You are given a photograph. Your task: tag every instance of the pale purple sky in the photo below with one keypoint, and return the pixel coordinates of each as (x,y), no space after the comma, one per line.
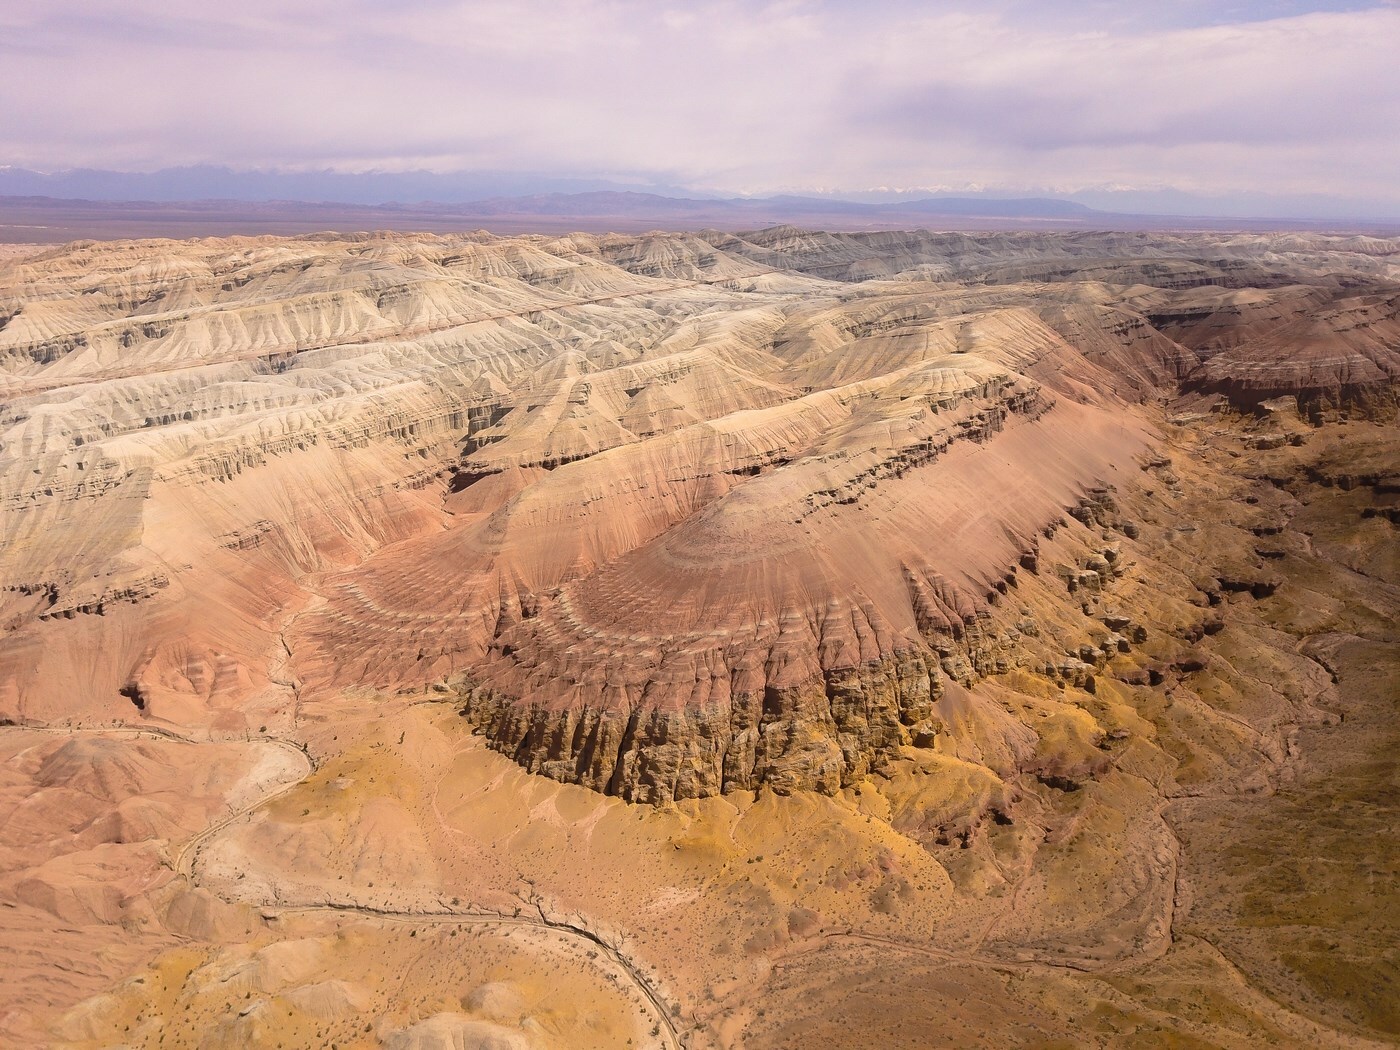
(1277,97)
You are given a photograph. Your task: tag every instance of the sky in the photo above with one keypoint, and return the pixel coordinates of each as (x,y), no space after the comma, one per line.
(1281,99)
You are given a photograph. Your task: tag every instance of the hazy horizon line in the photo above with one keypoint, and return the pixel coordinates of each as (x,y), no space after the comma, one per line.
(194,183)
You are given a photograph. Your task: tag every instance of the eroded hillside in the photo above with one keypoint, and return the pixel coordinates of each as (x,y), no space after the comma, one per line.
(1004,623)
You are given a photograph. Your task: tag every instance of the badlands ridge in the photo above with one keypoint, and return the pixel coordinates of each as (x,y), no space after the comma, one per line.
(998,524)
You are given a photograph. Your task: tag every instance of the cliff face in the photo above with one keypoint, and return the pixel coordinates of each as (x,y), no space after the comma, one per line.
(815,736)
(673,514)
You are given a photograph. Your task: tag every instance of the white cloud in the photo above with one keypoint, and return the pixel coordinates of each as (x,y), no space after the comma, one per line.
(744,95)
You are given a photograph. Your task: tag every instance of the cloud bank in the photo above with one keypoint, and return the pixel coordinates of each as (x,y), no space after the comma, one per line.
(1279,98)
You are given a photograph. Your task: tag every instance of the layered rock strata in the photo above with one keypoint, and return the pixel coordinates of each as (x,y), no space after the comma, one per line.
(674,514)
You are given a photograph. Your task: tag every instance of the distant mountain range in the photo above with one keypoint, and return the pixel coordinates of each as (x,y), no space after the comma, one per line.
(26,218)
(29,218)
(646,205)
(538,192)
(476,194)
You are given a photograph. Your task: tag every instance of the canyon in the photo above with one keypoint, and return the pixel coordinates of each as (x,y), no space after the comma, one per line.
(700,639)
